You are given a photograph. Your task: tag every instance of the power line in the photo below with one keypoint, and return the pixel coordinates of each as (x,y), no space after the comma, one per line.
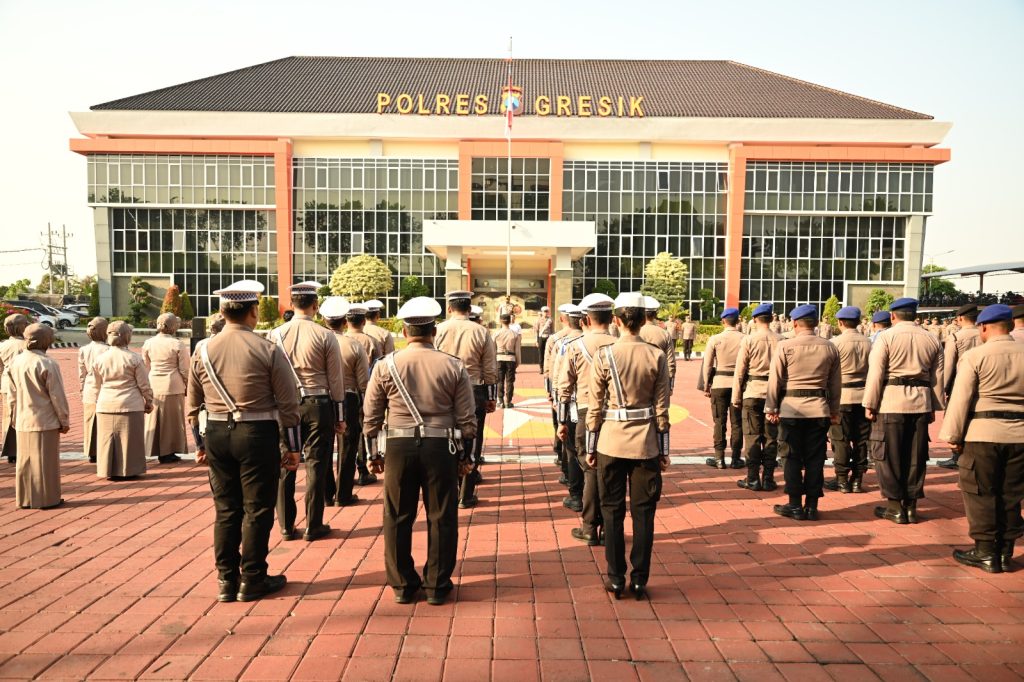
(38,248)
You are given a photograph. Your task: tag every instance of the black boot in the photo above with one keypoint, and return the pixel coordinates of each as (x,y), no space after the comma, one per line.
(792,510)
(841,483)
(811,509)
(983,556)
(910,509)
(1007,555)
(857,483)
(751,484)
(893,511)
(768,483)
(737,462)
(950,463)
(716,462)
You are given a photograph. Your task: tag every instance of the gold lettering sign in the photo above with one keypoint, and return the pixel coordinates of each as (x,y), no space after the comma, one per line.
(464,104)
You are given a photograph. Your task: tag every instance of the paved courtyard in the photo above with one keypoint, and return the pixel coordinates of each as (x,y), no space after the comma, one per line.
(119,583)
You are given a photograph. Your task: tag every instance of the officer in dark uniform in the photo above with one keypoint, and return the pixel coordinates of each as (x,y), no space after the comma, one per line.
(958,343)
(850,436)
(430,408)
(244,387)
(749,390)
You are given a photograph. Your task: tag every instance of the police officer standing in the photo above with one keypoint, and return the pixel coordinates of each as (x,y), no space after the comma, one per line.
(429,401)
(355,321)
(470,342)
(850,436)
(319,381)
(656,336)
(984,421)
(749,390)
(688,333)
(716,381)
(880,321)
(627,417)
(373,311)
(245,384)
(958,343)
(355,368)
(15,326)
(549,354)
(902,393)
(572,474)
(508,348)
(804,390)
(545,326)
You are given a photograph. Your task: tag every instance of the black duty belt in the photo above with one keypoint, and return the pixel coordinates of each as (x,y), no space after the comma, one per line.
(995,414)
(806,393)
(854,384)
(757,377)
(724,374)
(315,399)
(907,381)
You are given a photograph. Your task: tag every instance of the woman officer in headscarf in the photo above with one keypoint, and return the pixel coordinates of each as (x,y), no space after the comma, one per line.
(87,354)
(167,360)
(124,399)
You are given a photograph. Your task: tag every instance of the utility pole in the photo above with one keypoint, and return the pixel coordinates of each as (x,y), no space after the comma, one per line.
(49,255)
(63,248)
(64,238)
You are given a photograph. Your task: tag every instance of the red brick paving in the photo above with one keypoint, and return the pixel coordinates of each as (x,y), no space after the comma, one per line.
(119,584)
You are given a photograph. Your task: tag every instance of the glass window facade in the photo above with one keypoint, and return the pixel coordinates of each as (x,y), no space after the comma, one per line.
(180,179)
(841,187)
(375,206)
(642,208)
(531,188)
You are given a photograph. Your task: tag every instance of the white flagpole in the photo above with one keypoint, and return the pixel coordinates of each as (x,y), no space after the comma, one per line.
(508,134)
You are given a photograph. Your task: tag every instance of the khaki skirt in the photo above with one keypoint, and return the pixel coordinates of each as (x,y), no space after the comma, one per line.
(89,429)
(8,439)
(37,475)
(165,426)
(120,444)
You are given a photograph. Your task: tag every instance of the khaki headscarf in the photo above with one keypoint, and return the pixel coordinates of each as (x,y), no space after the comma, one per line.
(15,325)
(119,334)
(216,324)
(168,323)
(97,329)
(38,337)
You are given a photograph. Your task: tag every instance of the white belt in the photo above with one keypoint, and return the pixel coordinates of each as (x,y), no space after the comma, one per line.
(625,415)
(266,416)
(423,432)
(506,357)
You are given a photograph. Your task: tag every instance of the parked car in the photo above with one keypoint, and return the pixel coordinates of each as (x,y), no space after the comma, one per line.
(64,318)
(50,321)
(45,313)
(80,309)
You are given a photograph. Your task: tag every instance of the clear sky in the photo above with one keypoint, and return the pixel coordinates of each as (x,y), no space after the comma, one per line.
(958,61)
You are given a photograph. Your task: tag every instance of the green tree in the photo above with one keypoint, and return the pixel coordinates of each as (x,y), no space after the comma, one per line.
(828,315)
(748,312)
(878,299)
(361,278)
(140,300)
(708,304)
(268,310)
(172,301)
(94,300)
(17,287)
(937,286)
(411,287)
(665,278)
(606,287)
(676,310)
(187,310)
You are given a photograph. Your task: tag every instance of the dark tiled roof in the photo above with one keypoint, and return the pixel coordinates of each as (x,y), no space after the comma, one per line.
(669,88)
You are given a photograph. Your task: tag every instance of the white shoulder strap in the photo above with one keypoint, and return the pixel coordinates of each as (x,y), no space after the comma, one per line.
(614,370)
(279,340)
(583,349)
(402,390)
(215,380)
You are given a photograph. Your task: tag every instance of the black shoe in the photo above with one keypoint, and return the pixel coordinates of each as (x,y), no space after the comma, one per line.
(328,501)
(983,556)
(289,534)
(948,463)
(573,504)
(557,462)
(367,479)
(614,588)
(857,484)
(469,503)
(562,480)
(92,460)
(1007,556)
(753,486)
(789,511)
(737,463)
(768,483)
(438,598)
(312,534)
(407,596)
(228,591)
(715,462)
(591,539)
(168,459)
(638,591)
(892,513)
(810,513)
(349,502)
(910,510)
(253,591)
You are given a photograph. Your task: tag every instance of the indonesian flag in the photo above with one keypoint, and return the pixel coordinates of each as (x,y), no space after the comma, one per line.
(511,103)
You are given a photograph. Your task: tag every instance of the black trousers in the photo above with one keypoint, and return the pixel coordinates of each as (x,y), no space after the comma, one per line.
(506,379)
(573,472)
(899,447)
(542,342)
(760,439)
(992,482)
(850,440)
(244,462)
(802,445)
(687,348)
(642,479)
(722,411)
(10,444)
(413,466)
(317,424)
(468,483)
(591,514)
(348,451)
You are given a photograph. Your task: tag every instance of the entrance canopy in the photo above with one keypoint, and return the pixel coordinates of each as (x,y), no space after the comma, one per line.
(530,240)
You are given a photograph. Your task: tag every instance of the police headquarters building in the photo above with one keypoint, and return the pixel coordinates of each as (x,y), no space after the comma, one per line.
(767,187)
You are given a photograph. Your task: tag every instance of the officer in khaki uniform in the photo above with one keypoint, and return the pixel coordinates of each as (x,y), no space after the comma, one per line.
(804,389)
(545,327)
(572,474)
(749,390)
(508,349)
(15,326)
(1018,323)
(880,321)
(627,421)
(661,338)
(373,347)
(319,382)
(850,436)
(549,355)
(716,381)
(167,360)
(958,343)
(430,408)
(902,393)
(373,312)
(672,328)
(356,370)
(984,420)
(87,354)
(470,342)
(688,333)
(245,387)
(573,399)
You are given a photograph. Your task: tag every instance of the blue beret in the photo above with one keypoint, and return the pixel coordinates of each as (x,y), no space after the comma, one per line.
(802,311)
(763,309)
(995,313)
(850,312)
(881,316)
(730,312)
(904,304)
